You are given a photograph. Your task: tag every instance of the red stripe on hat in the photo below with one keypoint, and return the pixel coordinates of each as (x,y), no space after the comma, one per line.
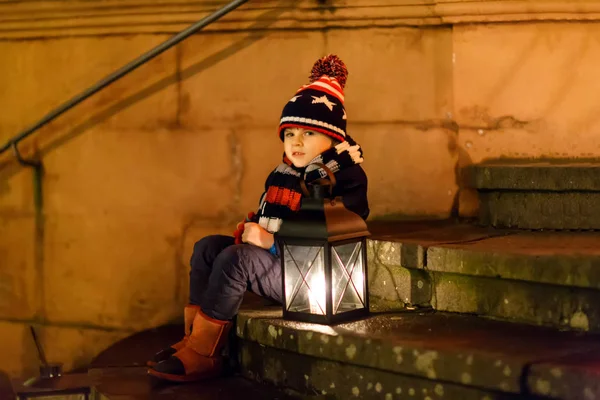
(322,89)
(332,81)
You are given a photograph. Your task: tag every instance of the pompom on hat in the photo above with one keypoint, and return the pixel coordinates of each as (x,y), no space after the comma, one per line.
(319,106)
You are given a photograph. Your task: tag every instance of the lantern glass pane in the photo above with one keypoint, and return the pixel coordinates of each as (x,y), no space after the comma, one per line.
(304,279)
(347,274)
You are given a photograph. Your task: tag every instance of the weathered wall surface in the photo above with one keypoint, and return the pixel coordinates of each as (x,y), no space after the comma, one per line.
(526,91)
(180,148)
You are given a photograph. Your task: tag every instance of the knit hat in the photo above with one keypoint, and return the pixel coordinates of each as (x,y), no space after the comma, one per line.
(319,106)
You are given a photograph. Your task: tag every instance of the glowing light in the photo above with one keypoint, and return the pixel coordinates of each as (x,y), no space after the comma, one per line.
(316,295)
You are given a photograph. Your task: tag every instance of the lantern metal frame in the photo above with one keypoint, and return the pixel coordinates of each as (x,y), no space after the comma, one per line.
(309,228)
(328,317)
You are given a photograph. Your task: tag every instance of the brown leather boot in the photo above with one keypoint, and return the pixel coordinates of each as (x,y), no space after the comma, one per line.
(200,358)
(189,312)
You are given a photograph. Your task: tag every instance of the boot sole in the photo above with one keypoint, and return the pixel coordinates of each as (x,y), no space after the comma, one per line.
(183,378)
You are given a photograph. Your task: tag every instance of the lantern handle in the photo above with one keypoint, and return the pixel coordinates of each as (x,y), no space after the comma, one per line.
(330,175)
(304,188)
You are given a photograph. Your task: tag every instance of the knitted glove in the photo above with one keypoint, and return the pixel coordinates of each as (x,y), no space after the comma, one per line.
(237,234)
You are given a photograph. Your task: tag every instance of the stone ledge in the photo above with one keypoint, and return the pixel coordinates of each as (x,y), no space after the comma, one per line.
(540,278)
(534,176)
(328,380)
(458,349)
(558,258)
(559,307)
(574,210)
(558,194)
(502,260)
(77,18)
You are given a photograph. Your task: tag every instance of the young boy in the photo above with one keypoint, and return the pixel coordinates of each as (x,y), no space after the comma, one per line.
(313,130)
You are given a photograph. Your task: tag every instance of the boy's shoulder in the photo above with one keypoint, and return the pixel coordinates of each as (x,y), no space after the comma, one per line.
(352,173)
(350,179)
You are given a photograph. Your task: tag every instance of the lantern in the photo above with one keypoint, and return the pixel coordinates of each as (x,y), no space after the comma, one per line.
(323,258)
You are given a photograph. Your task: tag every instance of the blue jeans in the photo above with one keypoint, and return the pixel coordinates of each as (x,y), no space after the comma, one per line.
(222,271)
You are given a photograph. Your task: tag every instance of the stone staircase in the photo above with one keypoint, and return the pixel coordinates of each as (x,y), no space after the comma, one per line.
(418,355)
(470,313)
(506,309)
(460,311)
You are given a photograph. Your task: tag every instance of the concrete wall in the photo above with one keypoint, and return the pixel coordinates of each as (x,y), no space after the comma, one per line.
(180,148)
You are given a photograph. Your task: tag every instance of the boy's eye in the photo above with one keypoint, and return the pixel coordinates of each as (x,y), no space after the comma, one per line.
(309,133)
(289,134)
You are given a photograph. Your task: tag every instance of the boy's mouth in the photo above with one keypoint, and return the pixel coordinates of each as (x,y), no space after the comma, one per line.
(297,153)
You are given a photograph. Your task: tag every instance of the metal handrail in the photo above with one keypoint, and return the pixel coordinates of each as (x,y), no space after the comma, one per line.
(119,74)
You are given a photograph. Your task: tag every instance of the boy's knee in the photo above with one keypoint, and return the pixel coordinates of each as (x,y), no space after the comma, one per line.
(232,254)
(205,246)
(230,260)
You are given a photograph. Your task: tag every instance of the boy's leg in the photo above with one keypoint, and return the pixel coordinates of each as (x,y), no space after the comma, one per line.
(205,252)
(235,270)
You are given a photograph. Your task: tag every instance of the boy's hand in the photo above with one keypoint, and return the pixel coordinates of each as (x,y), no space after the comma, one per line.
(239,229)
(257,235)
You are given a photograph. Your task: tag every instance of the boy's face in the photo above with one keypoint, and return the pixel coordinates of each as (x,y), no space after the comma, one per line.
(302,145)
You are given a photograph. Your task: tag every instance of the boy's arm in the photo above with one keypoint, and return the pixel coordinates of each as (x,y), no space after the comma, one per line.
(352,186)
(252,217)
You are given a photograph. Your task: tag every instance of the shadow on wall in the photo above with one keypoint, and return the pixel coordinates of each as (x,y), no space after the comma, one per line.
(258,32)
(5,386)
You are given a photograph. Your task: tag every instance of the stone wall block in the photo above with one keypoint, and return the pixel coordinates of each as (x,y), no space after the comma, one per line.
(18,350)
(391,78)
(399,160)
(258,152)
(114,270)
(243,80)
(413,255)
(16,188)
(194,232)
(537,92)
(146,98)
(165,171)
(391,285)
(20,276)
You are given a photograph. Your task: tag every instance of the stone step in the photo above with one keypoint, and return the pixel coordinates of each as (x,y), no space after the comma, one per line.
(542,278)
(133,383)
(119,373)
(419,355)
(537,195)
